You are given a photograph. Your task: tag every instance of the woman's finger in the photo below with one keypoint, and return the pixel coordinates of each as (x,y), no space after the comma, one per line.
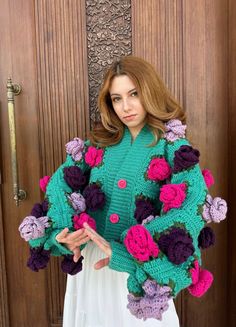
(101,263)
(60,237)
(77,254)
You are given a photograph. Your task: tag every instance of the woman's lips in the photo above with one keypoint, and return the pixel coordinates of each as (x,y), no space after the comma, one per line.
(130,117)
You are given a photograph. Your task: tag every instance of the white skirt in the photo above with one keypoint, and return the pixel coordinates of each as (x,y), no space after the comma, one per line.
(98,298)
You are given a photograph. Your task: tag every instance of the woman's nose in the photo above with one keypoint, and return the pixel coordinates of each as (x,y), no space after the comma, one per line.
(126,106)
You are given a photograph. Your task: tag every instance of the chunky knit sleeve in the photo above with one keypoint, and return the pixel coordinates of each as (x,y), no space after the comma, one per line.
(166,249)
(62,207)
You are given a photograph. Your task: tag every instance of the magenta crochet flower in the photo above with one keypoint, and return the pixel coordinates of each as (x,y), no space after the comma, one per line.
(152,304)
(74,177)
(83,218)
(158,170)
(172,195)
(70,267)
(208,177)
(38,259)
(43,182)
(93,156)
(185,157)
(144,208)
(175,130)
(214,210)
(77,201)
(75,148)
(140,244)
(201,280)
(177,245)
(206,238)
(94,197)
(32,227)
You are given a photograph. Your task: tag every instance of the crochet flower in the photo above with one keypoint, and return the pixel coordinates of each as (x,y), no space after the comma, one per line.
(148,219)
(32,227)
(158,169)
(174,130)
(38,258)
(77,201)
(144,208)
(39,209)
(70,267)
(172,195)
(75,148)
(140,244)
(94,197)
(201,280)
(43,182)
(177,245)
(93,156)
(83,218)
(185,157)
(214,210)
(152,304)
(206,238)
(208,177)
(74,177)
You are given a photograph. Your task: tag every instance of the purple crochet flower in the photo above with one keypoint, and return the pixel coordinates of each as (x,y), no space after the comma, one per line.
(38,258)
(144,208)
(214,210)
(152,304)
(94,197)
(74,177)
(177,245)
(206,238)
(75,148)
(174,130)
(185,157)
(70,267)
(32,227)
(78,202)
(40,210)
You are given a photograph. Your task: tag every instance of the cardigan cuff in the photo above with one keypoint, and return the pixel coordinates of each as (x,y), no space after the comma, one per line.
(56,248)
(120,259)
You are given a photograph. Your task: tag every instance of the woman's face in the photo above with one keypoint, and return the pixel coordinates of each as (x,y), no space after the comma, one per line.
(127,104)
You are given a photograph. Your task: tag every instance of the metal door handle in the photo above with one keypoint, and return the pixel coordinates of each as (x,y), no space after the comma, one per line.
(12,90)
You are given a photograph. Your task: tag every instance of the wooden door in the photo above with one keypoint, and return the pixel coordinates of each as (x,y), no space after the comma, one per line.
(57,51)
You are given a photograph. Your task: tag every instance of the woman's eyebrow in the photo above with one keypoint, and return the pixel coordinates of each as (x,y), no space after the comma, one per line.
(119,94)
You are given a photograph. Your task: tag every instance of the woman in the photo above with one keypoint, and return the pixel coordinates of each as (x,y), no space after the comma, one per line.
(138,201)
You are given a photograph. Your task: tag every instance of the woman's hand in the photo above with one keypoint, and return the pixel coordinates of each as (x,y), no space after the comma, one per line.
(101,243)
(73,240)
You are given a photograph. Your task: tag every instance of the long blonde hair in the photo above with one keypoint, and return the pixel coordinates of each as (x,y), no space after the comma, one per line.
(156,99)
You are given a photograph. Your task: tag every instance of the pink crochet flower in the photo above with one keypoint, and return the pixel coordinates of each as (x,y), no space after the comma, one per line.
(140,244)
(158,169)
(175,130)
(201,280)
(208,177)
(43,182)
(93,156)
(84,218)
(172,195)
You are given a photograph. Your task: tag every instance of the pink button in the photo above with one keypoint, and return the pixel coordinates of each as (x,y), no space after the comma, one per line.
(114,218)
(122,183)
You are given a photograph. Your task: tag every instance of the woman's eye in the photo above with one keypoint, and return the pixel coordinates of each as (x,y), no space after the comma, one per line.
(115,99)
(134,94)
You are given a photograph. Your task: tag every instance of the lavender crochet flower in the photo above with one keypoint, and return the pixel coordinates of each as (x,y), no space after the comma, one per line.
(206,238)
(74,177)
(94,197)
(174,130)
(32,227)
(75,148)
(177,245)
(214,210)
(185,157)
(70,267)
(152,304)
(78,202)
(38,258)
(144,208)
(39,209)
